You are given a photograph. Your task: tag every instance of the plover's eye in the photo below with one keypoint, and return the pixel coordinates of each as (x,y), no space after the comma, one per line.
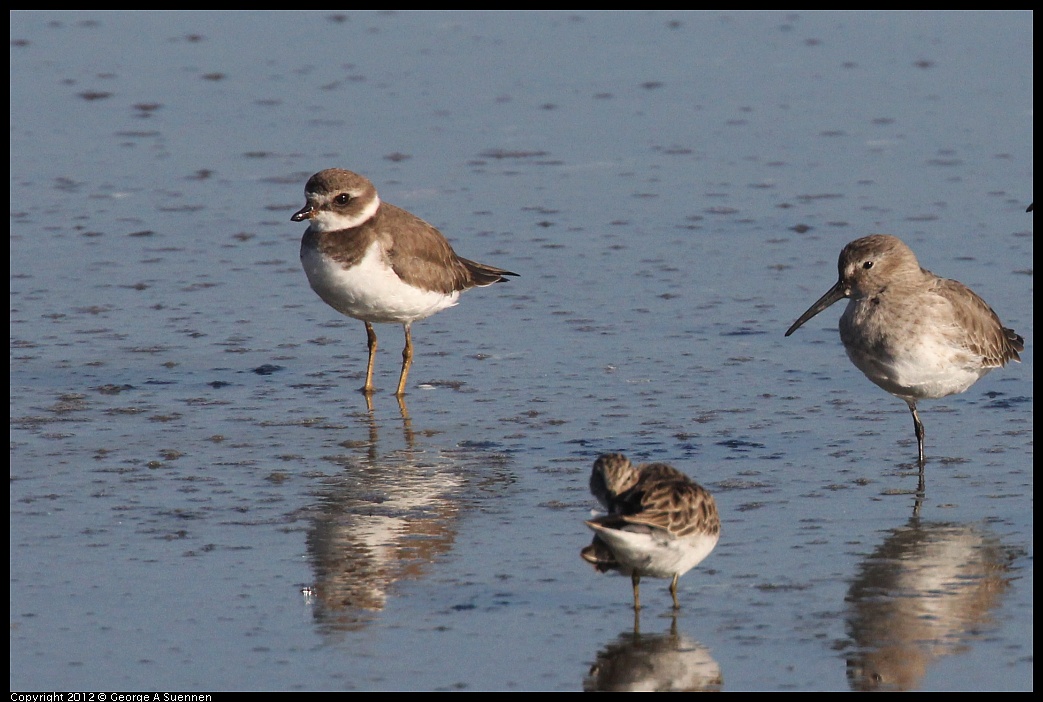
(342,199)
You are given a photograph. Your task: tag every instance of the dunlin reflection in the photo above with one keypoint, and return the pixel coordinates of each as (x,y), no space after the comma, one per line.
(660,523)
(912,333)
(929,591)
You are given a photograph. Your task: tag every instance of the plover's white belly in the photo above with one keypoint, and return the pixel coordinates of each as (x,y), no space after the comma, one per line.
(370,290)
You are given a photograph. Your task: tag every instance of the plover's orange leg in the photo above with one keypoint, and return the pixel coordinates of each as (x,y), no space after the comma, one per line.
(407,360)
(371,342)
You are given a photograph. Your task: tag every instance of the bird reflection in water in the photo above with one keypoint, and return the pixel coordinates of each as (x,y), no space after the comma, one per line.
(668,662)
(382,517)
(930,590)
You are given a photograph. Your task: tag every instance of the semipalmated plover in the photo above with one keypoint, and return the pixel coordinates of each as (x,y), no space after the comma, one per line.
(912,333)
(375,262)
(660,523)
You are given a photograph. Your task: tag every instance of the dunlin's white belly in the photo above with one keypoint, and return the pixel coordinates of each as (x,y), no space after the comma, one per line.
(915,362)
(370,290)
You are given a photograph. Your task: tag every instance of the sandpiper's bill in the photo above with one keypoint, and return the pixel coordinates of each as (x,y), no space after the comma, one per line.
(660,523)
(376,263)
(912,333)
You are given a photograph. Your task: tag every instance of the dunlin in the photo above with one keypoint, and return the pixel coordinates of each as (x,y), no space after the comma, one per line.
(660,523)
(912,333)
(375,262)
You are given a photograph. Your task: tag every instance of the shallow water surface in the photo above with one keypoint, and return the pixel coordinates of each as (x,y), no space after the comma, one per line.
(200,500)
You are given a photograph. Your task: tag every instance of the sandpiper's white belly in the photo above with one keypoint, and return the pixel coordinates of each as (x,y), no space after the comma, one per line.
(655,553)
(370,290)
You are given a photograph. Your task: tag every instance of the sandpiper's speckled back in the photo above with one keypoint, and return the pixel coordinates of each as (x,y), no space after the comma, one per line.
(654,494)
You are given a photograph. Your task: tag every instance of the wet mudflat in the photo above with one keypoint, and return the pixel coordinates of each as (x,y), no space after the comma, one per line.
(200,499)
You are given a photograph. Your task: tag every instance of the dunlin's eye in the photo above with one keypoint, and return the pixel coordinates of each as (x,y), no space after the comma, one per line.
(342,199)
(867,265)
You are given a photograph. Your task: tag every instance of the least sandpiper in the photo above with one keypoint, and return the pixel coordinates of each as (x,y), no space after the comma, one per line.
(660,523)
(912,333)
(375,262)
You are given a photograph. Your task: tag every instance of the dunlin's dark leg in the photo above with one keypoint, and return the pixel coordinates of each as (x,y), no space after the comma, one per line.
(407,360)
(636,580)
(918,427)
(371,342)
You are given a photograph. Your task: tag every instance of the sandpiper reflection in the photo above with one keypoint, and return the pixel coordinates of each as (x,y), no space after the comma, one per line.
(668,662)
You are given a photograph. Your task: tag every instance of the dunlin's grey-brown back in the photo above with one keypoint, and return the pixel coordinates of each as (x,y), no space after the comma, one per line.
(916,335)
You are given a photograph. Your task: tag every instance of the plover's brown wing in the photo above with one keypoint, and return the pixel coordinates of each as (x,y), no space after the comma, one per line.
(417,252)
(978,327)
(424,258)
(483,275)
